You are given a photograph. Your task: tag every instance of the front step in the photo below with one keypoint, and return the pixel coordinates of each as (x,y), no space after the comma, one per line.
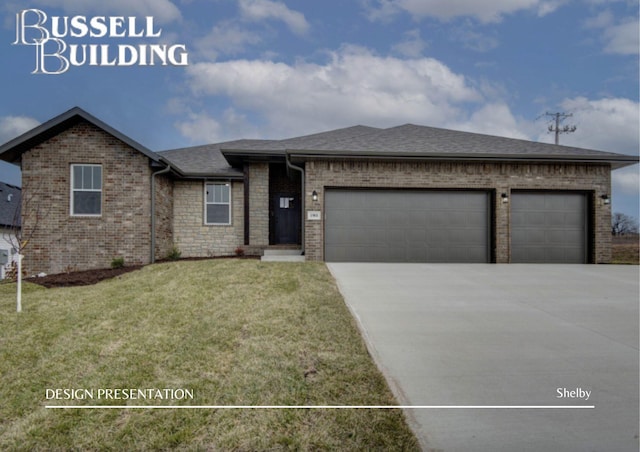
(280,255)
(282,252)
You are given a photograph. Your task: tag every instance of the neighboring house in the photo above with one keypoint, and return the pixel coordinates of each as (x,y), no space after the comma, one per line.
(9,225)
(402,194)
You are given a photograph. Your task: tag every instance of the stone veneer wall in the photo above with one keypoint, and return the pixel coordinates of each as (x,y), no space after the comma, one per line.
(501,177)
(259,204)
(191,235)
(62,242)
(164,216)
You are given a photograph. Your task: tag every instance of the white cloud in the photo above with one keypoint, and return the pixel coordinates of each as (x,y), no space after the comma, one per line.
(623,38)
(353,87)
(485,11)
(258,10)
(226,38)
(200,128)
(163,11)
(412,46)
(619,38)
(548,7)
(611,125)
(602,19)
(13,126)
(493,119)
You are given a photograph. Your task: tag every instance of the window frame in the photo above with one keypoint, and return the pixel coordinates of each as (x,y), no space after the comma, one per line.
(73,190)
(225,183)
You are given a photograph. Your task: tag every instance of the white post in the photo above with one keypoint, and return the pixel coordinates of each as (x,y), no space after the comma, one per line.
(19,280)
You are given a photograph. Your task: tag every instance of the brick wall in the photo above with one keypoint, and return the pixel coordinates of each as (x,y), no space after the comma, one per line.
(62,242)
(501,177)
(195,239)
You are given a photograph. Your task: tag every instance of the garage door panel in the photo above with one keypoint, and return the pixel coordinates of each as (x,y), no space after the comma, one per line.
(534,219)
(549,227)
(406,226)
(417,253)
(416,218)
(473,237)
(417,236)
(556,219)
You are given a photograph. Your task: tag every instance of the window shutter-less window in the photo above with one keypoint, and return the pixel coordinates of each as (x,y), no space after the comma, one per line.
(86,190)
(218,203)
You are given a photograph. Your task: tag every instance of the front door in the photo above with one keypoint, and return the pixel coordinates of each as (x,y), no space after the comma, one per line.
(286,219)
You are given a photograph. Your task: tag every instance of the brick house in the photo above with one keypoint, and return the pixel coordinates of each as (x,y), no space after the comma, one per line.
(402,194)
(10,201)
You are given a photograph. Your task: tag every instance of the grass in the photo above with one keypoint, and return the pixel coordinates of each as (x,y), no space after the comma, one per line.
(625,249)
(236,332)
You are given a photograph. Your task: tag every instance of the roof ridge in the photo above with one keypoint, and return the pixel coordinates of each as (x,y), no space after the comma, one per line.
(213,145)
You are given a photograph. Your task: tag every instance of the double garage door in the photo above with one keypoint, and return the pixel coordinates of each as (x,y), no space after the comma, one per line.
(450,226)
(407,226)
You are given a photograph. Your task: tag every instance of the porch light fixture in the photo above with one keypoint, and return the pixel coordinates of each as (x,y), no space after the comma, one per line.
(605,199)
(505,197)
(314,195)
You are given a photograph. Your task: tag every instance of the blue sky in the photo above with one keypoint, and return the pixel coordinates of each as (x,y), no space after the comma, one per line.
(274,69)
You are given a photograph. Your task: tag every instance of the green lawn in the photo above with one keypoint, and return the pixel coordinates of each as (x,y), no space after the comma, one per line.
(235,332)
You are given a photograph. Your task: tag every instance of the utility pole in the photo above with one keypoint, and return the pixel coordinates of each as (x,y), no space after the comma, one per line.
(557,129)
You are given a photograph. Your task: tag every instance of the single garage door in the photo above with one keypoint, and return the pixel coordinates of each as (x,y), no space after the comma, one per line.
(406,226)
(549,227)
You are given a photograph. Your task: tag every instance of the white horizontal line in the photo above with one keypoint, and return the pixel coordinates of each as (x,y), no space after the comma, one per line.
(328,407)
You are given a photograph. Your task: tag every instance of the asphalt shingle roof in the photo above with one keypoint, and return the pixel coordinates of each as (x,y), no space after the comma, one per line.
(333,139)
(410,140)
(205,160)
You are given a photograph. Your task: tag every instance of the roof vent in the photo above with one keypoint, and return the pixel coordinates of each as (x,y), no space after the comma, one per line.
(9,196)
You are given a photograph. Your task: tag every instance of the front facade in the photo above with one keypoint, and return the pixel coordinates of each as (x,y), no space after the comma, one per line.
(405,194)
(457,212)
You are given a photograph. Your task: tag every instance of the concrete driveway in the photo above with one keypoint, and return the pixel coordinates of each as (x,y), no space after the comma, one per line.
(505,335)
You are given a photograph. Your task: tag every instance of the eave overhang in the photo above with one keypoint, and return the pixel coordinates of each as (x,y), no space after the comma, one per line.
(237,157)
(615,160)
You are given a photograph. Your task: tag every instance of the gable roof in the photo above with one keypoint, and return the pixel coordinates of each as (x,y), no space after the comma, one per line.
(10,197)
(12,150)
(410,141)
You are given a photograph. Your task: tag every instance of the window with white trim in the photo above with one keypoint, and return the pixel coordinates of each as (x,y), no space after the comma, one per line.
(217,200)
(86,190)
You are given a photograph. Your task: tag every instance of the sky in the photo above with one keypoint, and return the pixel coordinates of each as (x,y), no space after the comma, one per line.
(281,68)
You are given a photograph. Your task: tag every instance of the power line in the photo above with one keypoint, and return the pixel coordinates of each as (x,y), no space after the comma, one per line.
(560,129)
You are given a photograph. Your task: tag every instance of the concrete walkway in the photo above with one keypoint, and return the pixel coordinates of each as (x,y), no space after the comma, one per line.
(505,335)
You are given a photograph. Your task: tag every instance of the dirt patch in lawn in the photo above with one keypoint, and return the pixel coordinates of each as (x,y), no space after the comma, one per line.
(89,277)
(82,278)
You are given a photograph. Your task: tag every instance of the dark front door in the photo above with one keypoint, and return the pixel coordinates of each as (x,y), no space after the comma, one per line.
(286,219)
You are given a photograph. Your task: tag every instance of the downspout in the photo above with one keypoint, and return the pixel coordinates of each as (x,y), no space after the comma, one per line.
(153,211)
(302,198)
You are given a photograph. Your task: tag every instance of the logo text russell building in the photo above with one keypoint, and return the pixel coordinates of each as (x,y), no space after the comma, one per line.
(54,55)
